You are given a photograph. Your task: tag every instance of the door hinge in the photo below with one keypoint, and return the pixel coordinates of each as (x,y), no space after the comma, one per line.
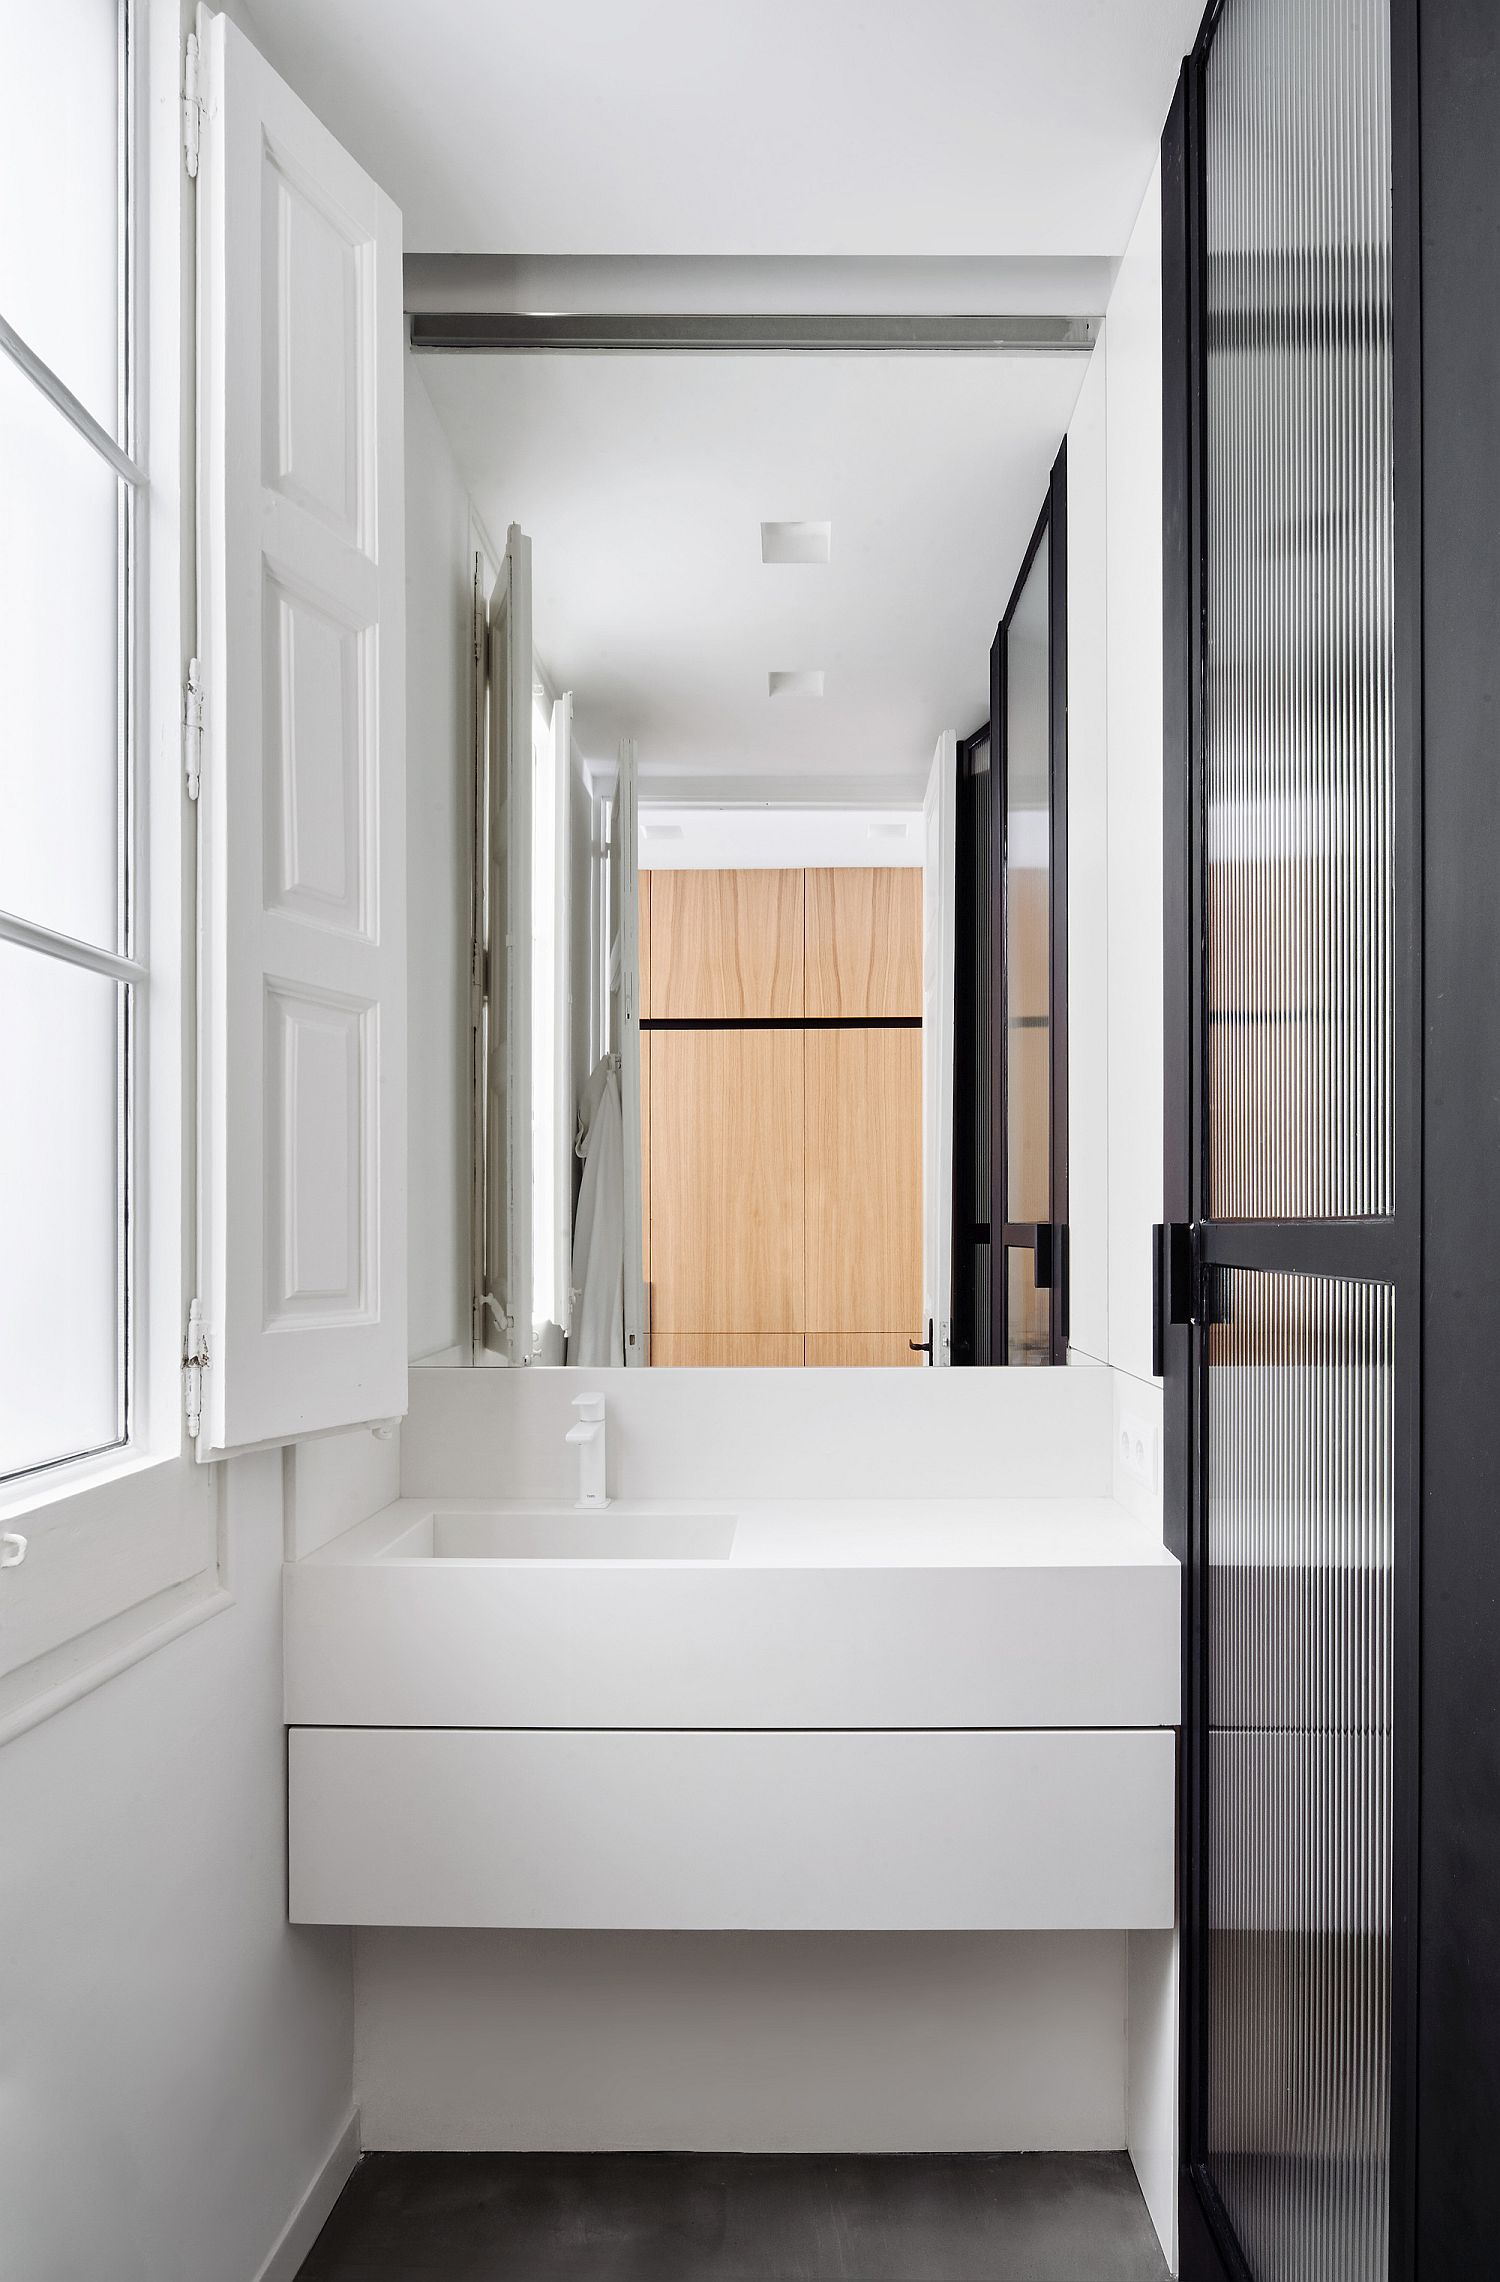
(194,1364)
(192,728)
(192,109)
(1185,1288)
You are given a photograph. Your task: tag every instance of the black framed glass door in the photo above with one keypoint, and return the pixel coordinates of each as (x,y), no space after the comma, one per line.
(973,1051)
(1288,1280)
(1010,1122)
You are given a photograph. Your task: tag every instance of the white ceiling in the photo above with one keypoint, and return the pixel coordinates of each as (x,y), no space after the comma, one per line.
(643,482)
(817,127)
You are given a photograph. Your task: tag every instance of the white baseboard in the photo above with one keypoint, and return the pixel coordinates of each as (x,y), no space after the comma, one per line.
(311,2214)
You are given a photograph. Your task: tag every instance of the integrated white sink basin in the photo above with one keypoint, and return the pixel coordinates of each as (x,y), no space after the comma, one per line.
(552,1533)
(856,1613)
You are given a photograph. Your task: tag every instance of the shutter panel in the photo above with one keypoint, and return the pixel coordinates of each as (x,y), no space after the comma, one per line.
(508,1281)
(627,837)
(302,1069)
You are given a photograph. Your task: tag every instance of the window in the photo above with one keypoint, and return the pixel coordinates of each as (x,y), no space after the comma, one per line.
(72,919)
(96,839)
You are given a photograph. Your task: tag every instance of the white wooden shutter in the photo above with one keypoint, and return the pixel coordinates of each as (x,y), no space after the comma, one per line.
(508,1276)
(628,1033)
(302,1044)
(939,880)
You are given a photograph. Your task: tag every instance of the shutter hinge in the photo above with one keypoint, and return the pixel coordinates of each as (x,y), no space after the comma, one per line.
(192,728)
(194,1364)
(192,109)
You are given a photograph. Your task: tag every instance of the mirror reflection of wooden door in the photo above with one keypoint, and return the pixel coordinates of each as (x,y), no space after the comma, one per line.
(783,1173)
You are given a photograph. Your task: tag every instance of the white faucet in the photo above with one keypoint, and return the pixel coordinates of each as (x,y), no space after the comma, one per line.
(588,1435)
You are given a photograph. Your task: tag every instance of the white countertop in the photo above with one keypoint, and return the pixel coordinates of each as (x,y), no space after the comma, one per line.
(853,1533)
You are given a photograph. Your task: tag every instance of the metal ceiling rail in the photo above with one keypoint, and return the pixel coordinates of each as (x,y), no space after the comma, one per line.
(497,332)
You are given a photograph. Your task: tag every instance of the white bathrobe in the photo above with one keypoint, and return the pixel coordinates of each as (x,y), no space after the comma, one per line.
(598,1333)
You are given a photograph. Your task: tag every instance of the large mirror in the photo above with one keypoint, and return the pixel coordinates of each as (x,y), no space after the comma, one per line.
(767,973)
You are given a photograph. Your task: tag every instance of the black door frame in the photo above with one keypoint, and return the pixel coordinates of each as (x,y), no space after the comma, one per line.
(1047,1241)
(973,1016)
(1191,1247)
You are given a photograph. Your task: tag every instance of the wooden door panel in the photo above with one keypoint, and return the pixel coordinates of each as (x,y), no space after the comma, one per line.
(860,1350)
(727,1181)
(864,941)
(864,1181)
(726,943)
(729,1350)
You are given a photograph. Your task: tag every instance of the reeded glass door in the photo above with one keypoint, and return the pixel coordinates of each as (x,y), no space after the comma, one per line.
(1297,1254)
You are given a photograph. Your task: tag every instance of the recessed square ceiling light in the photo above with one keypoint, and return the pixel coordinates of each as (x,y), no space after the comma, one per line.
(809,684)
(796,542)
(661,831)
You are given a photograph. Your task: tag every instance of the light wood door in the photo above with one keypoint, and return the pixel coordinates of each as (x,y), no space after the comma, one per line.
(864,1181)
(1028,1046)
(726,943)
(864,941)
(727,1181)
(859,1350)
(729,1350)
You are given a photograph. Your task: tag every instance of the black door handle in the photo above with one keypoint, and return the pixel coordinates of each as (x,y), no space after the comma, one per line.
(923,1346)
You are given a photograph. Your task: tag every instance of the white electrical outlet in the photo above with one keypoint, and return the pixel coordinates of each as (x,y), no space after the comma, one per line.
(1139,1443)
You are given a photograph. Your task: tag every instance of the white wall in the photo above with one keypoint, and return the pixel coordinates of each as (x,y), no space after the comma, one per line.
(1115,991)
(1133,333)
(177,2059)
(439,702)
(674,839)
(765,1434)
(787,2042)
(1115,817)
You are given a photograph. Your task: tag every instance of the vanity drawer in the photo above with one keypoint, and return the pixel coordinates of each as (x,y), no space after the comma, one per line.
(848,1831)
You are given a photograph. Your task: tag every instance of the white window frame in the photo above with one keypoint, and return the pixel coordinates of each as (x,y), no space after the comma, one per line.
(125,1548)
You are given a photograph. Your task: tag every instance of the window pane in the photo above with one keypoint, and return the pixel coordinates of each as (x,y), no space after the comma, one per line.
(61,1211)
(59,671)
(1028,902)
(60,190)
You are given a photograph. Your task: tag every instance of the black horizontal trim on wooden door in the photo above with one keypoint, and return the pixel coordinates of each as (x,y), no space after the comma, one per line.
(781,1021)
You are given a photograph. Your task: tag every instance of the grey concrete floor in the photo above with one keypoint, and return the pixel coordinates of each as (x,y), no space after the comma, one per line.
(738,2218)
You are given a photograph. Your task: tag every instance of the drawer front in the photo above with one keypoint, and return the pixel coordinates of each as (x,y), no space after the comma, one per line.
(900,1830)
(496,1645)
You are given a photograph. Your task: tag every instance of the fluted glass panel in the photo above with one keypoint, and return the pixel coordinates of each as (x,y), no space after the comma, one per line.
(1300,1421)
(1299,555)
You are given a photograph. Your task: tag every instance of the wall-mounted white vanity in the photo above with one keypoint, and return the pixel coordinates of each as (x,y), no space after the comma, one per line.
(859,1713)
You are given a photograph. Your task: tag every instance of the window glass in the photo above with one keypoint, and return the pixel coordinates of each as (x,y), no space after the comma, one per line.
(60,745)
(61,1223)
(60,171)
(67,983)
